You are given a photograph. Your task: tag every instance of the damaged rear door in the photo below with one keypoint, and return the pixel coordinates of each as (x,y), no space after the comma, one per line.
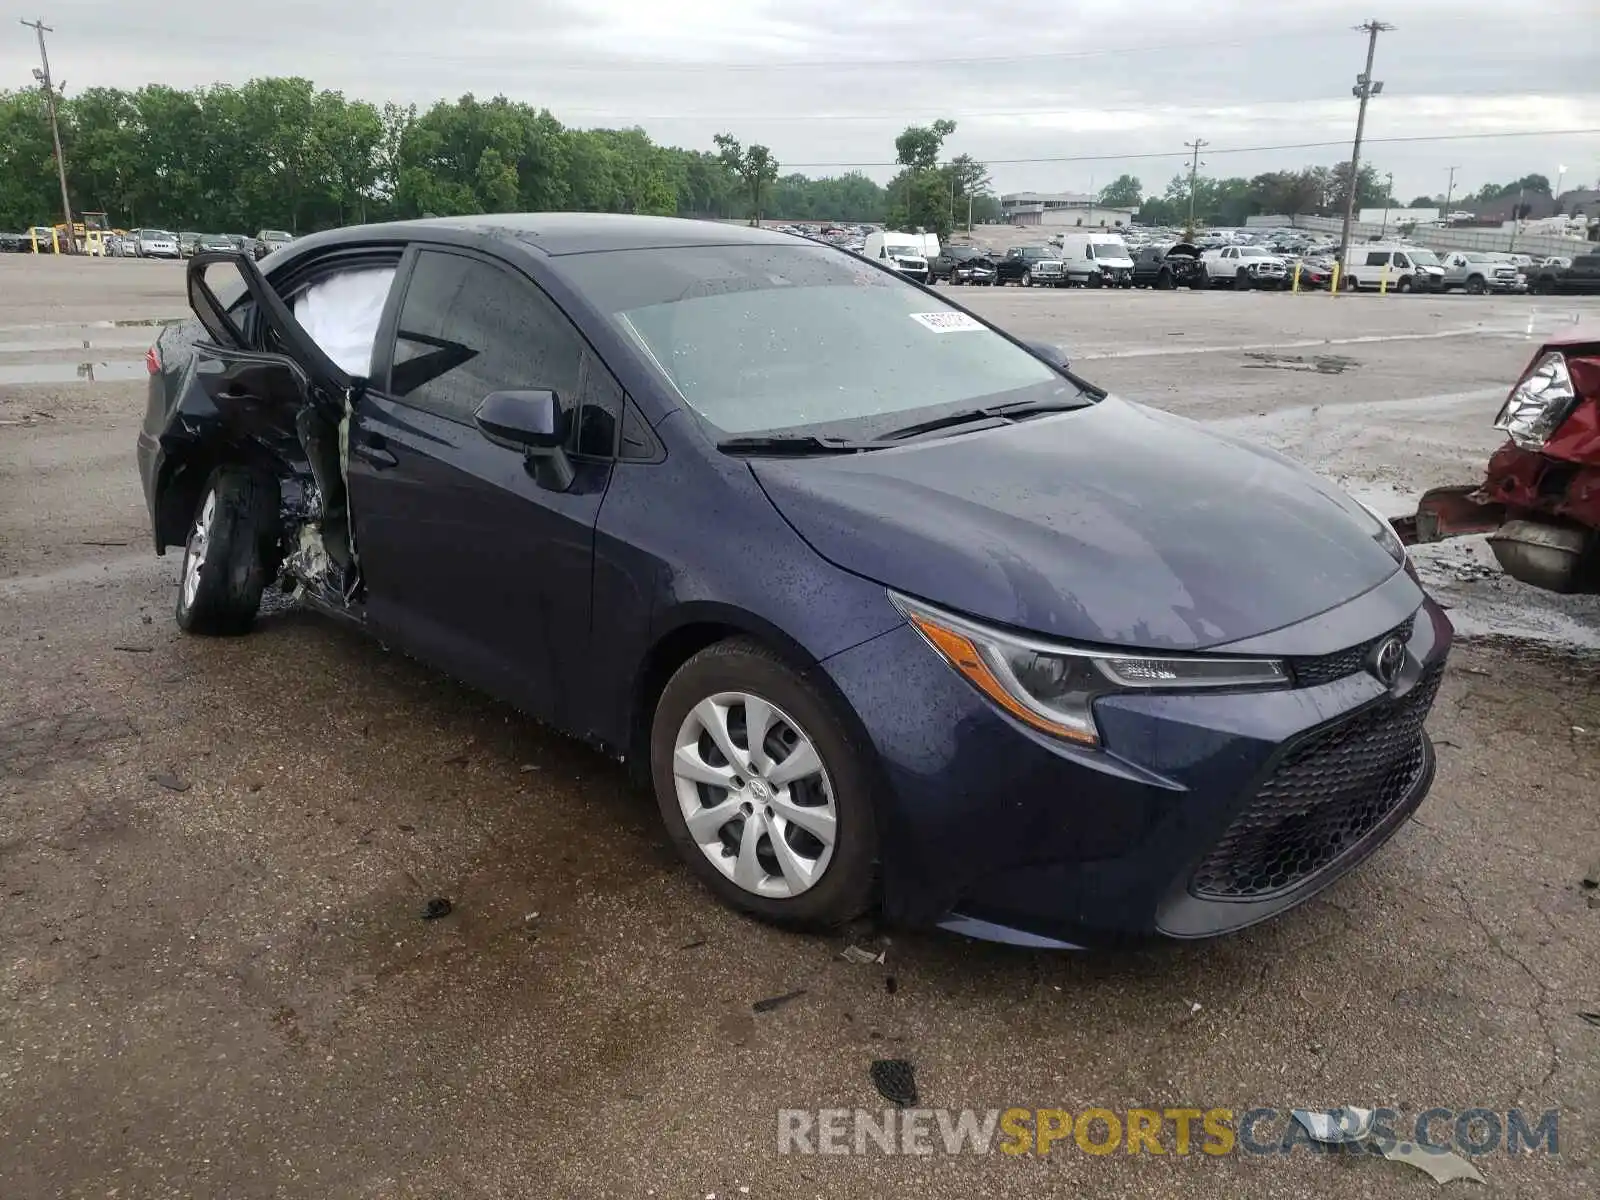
(265,369)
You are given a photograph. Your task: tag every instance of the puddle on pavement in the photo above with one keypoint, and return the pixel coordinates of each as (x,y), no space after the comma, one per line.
(84,372)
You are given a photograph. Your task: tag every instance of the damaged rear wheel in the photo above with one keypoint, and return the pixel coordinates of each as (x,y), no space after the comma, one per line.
(230,554)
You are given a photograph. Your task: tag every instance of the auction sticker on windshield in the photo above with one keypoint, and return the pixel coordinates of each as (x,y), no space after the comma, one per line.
(947,322)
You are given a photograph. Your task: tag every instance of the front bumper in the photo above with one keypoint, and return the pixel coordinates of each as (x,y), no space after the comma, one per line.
(1202,813)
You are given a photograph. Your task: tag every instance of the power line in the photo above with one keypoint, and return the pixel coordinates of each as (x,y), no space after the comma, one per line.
(667,64)
(901,114)
(1077,158)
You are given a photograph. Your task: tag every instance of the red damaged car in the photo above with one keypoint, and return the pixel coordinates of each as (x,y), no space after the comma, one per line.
(1540,501)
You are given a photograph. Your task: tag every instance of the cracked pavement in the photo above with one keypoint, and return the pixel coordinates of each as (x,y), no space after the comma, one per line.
(215,854)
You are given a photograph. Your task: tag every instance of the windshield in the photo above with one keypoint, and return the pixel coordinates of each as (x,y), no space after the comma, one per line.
(1478,256)
(1252,252)
(1424,258)
(275,235)
(736,332)
(1109,250)
(902,250)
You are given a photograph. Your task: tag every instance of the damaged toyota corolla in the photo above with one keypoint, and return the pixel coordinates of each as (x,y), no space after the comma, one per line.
(887,607)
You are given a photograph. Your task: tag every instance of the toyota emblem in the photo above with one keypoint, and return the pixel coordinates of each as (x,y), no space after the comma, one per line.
(1387,661)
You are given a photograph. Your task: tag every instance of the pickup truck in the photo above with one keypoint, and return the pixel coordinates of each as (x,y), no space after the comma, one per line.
(1030,266)
(1165,267)
(1477,272)
(1582,275)
(960,264)
(1243,267)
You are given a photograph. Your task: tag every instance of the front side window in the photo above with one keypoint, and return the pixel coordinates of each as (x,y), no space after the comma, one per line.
(734,331)
(468,328)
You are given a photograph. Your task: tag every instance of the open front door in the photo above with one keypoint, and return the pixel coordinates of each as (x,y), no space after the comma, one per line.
(241,311)
(245,316)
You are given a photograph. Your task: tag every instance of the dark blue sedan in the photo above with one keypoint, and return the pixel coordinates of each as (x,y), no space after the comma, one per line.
(887,608)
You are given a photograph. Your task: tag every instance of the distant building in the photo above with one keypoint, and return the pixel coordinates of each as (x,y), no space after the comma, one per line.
(1579,202)
(1399,216)
(1062,210)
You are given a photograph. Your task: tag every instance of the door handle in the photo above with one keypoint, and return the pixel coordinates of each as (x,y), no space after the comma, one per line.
(377,456)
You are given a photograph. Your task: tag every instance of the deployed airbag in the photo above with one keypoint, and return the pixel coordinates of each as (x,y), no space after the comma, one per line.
(341,314)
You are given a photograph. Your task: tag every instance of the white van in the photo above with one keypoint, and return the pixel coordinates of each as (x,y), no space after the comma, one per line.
(1407,268)
(1097,260)
(905,252)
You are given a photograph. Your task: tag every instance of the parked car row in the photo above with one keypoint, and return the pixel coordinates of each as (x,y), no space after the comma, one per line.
(162,243)
(1105,260)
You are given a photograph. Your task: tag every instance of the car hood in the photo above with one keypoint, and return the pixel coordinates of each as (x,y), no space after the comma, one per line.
(1115,524)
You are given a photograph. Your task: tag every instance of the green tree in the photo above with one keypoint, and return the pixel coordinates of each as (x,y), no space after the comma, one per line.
(755,167)
(918,147)
(1122,192)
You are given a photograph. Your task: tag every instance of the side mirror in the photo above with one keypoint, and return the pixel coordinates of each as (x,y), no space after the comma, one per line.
(533,423)
(1053,354)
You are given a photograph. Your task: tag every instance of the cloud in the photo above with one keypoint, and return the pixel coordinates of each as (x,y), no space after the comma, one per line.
(1123,83)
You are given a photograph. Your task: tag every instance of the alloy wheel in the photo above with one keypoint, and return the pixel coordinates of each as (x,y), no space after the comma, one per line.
(194,553)
(754,794)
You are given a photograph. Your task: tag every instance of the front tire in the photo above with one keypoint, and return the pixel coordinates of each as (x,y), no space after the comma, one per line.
(230,554)
(1476,286)
(783,829)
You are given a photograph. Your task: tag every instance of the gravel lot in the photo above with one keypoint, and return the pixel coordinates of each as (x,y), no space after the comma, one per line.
(214,854)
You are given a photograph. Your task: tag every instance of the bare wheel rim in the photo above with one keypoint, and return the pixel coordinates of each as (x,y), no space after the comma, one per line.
(755,795)
(194,553)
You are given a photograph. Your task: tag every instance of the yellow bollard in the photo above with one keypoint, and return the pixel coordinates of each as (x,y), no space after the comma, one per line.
(1383,281)
(1296,287)
(1333,283)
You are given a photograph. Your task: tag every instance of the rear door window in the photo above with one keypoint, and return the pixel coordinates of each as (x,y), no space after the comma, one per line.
(1378,258)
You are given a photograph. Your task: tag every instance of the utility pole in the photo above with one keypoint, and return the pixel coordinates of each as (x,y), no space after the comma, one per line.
(1449,191)
(1365,89)
(1516,214)
(1194,170)
(42,74)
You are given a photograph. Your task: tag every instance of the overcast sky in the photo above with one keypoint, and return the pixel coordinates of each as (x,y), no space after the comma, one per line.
(828,83)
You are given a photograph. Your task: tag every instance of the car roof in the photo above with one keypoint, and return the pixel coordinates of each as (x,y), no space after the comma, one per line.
(571,233)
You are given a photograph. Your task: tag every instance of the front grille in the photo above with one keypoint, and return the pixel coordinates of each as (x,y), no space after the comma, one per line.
(1322,800)
(1325,668)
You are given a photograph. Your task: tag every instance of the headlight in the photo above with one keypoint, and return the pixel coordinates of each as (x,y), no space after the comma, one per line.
(1541,401)
(1051,687)
(1385,535)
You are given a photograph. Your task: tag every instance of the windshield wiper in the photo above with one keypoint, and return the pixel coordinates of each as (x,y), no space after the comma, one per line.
(794,443)
(996,412)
